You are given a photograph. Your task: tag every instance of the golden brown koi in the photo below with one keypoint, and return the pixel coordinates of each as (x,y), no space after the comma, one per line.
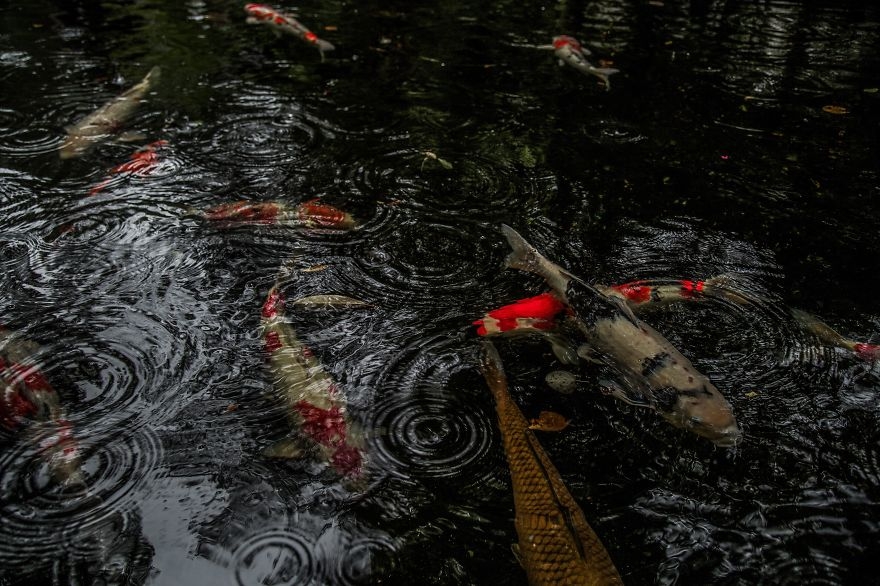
(556,544)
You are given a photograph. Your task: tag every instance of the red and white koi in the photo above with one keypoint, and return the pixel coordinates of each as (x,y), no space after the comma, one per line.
(107,119)
(141,163)
(28,399)
(309,214)
(317,408)
(569,50)
(284,23)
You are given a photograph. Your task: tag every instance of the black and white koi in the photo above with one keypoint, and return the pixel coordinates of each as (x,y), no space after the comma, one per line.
(653,372)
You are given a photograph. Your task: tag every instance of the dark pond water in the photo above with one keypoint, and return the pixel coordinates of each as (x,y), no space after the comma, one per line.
(739,138)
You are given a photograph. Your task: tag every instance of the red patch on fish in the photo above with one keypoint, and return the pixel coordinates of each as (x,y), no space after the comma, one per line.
(14,408)
(535,312)
(347,460)
(870,352)
(274,304)
(320,214)
(564,40)
(141,163)
(32,378)
(636,291)
(261,11)
(324,426)
(244,211)
(690,289)
(273,342)
(311,37)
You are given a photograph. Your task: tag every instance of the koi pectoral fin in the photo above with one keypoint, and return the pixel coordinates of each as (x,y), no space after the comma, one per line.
(618,392)
(548,421)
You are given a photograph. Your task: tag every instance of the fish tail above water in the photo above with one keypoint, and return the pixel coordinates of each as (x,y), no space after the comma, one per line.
(526,257)
(556,543)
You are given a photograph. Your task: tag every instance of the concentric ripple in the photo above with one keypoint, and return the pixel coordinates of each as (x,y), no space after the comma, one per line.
(276,558)
(424,428)
(361,559)
(40,513)
(426,260)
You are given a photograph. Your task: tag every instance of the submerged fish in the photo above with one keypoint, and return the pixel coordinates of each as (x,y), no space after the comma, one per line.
(141,163)
(265,14)
(556,544)
(827,335)
(653,372)
(569,50)
(309,214)
(29,400)
(107,119)
(316,406)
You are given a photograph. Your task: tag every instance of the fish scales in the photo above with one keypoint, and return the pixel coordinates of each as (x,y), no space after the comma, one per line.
(556,543)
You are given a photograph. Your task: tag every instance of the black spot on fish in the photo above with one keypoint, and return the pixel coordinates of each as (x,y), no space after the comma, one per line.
(654,363)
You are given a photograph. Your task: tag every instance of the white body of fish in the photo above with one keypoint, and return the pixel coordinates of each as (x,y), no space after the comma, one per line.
(107,119)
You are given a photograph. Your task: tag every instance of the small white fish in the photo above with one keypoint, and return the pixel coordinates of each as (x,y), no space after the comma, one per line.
(265,14)
(107,119)
(569,50)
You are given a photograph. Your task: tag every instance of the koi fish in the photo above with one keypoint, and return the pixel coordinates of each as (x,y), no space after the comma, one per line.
(569,50)
(107,119)
(556,544)
(310,214)
(28,398)
(655,374)
(283,23)
(827,335)
(141,163)
(316,406)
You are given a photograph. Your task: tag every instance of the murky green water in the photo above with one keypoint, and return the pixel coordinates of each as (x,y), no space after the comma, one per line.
(715,152)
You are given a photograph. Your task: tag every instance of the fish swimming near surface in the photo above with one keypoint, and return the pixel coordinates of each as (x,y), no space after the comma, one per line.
(653,372)
(309,214)
(28,400)
(316,406)
(141,163)
(108,119)
(569,50)
(284,23)
(556,544)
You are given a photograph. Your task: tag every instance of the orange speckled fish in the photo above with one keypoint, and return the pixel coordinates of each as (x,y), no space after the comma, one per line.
(556,544)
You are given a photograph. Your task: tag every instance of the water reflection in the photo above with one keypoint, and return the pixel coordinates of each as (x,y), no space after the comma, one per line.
(712,155)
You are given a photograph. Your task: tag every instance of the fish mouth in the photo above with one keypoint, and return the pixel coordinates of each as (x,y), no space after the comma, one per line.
(728,437)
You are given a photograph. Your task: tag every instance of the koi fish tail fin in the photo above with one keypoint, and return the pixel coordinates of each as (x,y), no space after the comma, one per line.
(524,256)
(324,46)
(604,73)
(153,75)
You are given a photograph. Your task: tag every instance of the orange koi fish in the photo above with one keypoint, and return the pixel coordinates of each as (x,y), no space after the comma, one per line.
(265,14)
(141,163)
(556,544)
(310,214)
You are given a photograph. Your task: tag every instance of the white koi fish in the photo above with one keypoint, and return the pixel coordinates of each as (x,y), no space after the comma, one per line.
(570,51)
(283,23)
(107,119)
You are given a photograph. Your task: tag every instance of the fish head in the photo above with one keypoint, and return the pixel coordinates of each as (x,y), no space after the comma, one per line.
(259,11)
(566,41)
(319,215)
(703,411)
